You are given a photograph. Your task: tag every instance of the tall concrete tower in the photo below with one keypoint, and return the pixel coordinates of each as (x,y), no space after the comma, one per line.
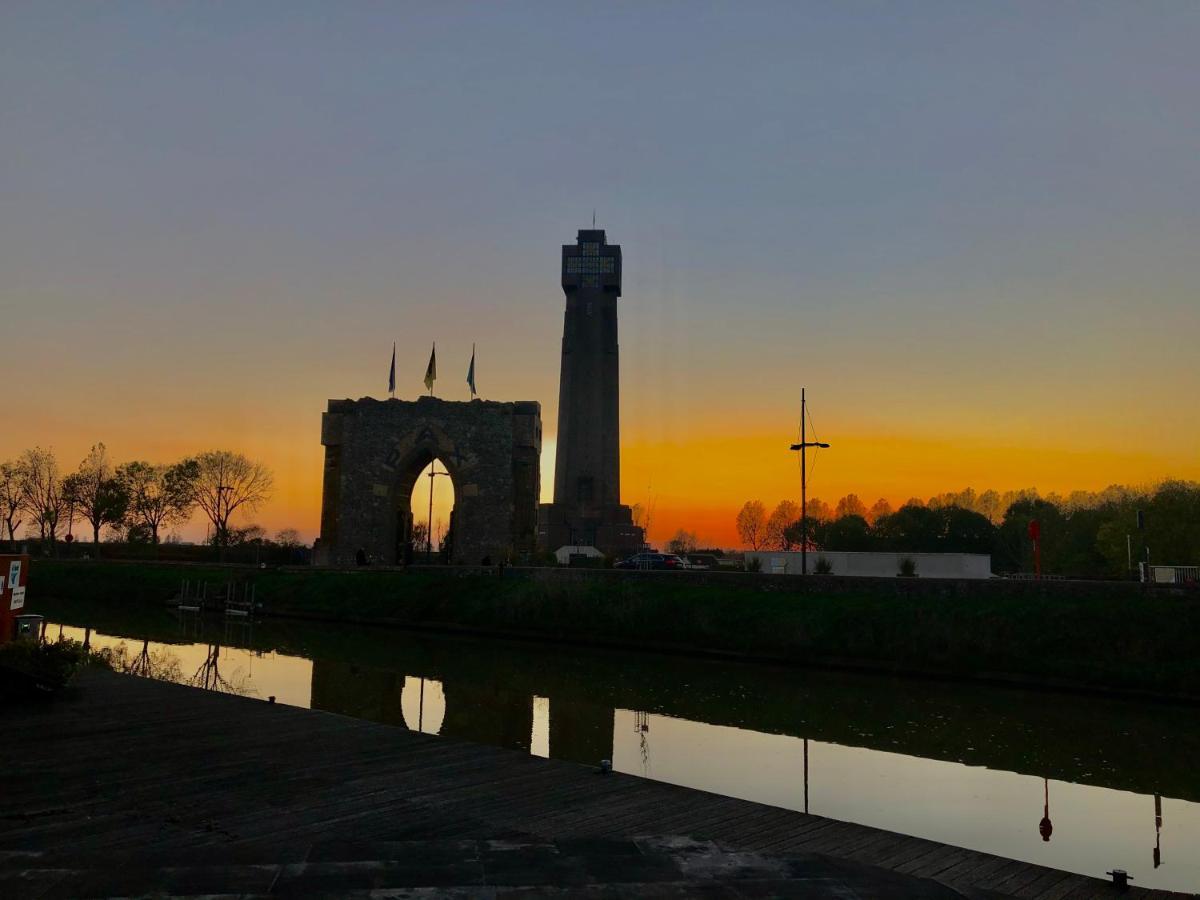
(587,506)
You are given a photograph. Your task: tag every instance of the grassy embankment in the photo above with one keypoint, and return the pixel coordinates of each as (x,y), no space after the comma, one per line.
(1132,641)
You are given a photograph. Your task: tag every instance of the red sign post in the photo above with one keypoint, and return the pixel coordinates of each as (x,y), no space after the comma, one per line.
(14,573)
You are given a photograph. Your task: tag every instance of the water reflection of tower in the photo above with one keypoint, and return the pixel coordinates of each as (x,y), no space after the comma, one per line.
(1046,827)
(641,726)
(1157,830)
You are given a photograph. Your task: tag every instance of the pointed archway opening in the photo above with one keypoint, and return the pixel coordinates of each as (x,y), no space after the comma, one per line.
(431,514)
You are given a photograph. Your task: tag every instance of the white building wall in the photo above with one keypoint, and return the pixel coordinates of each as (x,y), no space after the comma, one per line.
(563,554)
(880,565)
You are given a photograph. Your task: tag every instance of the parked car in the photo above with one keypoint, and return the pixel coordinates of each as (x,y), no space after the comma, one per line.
(666,561)
(703,561)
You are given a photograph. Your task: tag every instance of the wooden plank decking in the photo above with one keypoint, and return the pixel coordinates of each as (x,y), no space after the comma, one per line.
(127,774)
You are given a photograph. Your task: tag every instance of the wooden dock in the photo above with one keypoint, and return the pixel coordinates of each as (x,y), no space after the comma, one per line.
(126,786)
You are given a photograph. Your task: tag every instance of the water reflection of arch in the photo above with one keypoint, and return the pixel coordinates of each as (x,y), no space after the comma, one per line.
(423,704)
(484,713)
(481,711)
(352,690)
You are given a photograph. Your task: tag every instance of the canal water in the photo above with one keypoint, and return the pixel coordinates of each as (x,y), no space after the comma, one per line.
(1074,782)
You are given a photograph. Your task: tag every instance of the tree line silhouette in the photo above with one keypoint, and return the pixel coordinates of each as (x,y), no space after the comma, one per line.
(136,501)
(1084,533)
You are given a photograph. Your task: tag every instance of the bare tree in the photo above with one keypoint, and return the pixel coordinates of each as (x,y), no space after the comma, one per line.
(250,534)
(99,495)
(226,482)
(159,496)
(850,505)
(683,542)
(72,492)
(818,509)
(989,505)
(751,524)
(638,512)
(642,514)
(420,534)
(877,511)
(10,497)
(288,537)
(41,491)
(775,534)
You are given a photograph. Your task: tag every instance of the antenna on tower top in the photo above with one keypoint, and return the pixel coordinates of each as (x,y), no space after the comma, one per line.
(593,218)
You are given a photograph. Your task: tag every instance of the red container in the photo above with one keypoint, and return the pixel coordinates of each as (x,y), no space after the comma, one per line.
(14,573)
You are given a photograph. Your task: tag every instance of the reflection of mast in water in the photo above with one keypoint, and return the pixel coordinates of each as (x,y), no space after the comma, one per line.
(641,727)
(1046,827)
(1157,830)
(806,776)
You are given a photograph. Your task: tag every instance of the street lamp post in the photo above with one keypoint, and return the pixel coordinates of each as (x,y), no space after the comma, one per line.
(803,446)
(433,473)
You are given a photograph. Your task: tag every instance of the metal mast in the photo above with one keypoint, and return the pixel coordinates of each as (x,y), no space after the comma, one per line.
(803,446)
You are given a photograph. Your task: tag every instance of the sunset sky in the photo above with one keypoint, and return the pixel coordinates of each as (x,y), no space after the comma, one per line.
(972,231)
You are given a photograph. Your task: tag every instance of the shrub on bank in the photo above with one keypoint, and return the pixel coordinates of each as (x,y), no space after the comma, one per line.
(31,668)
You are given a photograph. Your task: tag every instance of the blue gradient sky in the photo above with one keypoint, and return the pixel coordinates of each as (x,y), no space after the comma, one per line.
(961,225)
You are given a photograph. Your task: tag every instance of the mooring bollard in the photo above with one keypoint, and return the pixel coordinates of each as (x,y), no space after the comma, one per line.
(1120,878)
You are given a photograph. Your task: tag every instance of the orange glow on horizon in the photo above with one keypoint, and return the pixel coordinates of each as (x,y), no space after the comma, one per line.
(698,484)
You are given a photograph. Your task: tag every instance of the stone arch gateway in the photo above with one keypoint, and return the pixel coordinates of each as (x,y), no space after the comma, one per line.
(375,449)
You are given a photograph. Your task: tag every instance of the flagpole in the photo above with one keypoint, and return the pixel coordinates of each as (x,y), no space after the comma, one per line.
(471,373)
(431,370)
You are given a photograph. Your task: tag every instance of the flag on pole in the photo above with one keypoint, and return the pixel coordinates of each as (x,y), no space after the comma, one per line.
(431,370)
(392,373)
(471,372)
